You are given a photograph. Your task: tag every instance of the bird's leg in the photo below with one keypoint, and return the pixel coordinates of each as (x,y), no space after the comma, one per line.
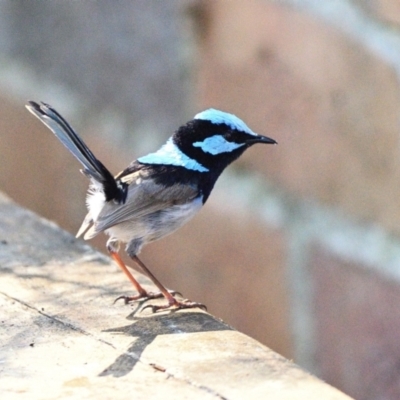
(142,292)
(152,295)
(172,302)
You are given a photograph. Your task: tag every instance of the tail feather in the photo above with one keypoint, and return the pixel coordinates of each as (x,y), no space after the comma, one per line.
(70,139)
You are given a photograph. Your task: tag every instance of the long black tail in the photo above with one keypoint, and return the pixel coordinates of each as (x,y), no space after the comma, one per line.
(70,139)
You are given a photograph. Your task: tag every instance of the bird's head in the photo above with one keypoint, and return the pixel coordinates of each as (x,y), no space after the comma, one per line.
(207,143)
(216,138)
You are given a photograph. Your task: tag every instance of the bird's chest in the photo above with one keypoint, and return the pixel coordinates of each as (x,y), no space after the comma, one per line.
(166,221)
(155,225)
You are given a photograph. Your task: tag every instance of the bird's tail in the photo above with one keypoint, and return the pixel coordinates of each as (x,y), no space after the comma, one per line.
(70,139)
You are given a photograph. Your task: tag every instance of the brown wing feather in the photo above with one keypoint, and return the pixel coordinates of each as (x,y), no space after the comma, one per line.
(144,197)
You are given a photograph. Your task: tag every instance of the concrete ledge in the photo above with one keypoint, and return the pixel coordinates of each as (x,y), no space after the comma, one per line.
(62,337)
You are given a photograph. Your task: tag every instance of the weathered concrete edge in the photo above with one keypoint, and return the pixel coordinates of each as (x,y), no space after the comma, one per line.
(18,227)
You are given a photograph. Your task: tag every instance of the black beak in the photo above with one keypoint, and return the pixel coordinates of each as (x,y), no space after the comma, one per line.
(261,139)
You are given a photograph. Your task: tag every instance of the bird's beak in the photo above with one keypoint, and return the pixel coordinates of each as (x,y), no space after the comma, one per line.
(261,139)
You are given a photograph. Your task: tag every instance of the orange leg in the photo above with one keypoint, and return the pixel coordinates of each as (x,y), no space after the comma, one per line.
(160,286)
(172,302)
(142,292)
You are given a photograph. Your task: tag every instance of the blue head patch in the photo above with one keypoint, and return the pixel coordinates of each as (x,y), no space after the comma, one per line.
(221,117)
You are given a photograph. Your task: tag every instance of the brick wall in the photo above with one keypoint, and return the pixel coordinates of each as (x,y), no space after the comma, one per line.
(299,243)
(323,79)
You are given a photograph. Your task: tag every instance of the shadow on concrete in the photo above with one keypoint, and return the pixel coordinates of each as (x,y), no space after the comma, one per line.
(146,329)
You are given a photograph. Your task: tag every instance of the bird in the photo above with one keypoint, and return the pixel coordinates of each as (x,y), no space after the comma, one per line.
(157,193)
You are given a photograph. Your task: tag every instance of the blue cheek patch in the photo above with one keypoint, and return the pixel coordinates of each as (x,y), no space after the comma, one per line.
(217,144)
(169,154)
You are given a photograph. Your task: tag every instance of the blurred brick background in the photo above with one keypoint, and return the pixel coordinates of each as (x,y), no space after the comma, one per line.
(299,245)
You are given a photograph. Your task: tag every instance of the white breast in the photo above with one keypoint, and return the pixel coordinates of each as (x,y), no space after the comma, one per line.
(157,225)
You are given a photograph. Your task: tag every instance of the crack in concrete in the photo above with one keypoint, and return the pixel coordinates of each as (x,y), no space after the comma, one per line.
(57,320)
(160,368)
(154,366)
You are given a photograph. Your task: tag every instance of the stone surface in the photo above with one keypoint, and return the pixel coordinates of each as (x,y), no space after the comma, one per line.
(357,323)
(332,105)
(62,337)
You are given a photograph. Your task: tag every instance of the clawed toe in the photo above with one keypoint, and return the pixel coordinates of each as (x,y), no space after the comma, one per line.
(145,296)
(128,299)
(176,305)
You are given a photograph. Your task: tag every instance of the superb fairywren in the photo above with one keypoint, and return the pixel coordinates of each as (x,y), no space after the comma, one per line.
(157,193)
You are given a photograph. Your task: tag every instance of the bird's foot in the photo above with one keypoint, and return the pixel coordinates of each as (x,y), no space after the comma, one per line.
(176,305)
(144,296)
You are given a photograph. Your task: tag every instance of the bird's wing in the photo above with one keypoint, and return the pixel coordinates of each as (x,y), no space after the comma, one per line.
(144,197)
(85,225)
